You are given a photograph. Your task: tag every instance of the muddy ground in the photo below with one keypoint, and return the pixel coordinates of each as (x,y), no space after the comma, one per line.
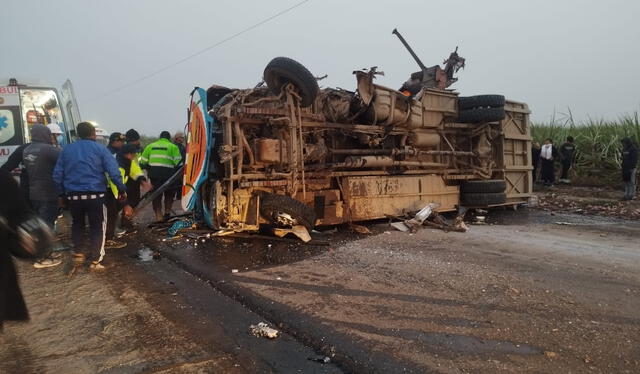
(537,290)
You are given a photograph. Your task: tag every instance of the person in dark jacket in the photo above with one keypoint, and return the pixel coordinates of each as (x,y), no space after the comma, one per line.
(13,162)
(535,160)
(129,169)
(13,210)
(629,168)
(567,154)
(548,154)
(178,140)
(80,177)
(116,141)
(39,159)
(133,186)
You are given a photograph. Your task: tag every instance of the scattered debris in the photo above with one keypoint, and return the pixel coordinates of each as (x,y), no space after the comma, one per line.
(562,223)
(263,330)
(320,359)
(234,270)
(179,225)
(297,230)
(550,354)
(359,229)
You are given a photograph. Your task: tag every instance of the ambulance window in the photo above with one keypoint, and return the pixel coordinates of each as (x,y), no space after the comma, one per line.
(41,105)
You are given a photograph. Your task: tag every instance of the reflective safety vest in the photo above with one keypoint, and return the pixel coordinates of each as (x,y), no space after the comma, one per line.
(162,157)
(134,172)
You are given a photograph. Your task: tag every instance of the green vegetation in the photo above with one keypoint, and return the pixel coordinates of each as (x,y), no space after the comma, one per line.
(597,144)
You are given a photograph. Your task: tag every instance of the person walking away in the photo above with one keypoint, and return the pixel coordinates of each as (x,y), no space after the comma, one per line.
(548,154)
(567,154)
(629,168)
(116,141)
(39,159)
(161,158)
(178,140)
(128,169)
(535,160)
(79,176)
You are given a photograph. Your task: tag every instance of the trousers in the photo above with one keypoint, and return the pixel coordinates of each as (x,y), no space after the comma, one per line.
(630,185)
(113,208)
(93,210)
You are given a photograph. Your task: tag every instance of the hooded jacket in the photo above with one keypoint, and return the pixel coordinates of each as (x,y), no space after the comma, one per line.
(39,159)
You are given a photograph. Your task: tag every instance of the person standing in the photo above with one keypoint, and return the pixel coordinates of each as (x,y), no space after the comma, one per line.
(535,160)
(161,158)
(178,140)
(39,159)
(116,141)
(128,169)
(567,153)
(629,168)
(133,186)
(79,175)
(548,154)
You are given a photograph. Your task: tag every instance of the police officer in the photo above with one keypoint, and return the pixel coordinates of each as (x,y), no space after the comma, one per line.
(79,175)
(161,158)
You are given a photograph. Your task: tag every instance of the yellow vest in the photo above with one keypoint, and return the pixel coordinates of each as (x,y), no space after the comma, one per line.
(135,172)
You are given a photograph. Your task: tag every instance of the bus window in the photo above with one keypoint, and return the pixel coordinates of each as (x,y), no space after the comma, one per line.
(41,105)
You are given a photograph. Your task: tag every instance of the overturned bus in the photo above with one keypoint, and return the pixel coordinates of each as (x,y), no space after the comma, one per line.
(289,153)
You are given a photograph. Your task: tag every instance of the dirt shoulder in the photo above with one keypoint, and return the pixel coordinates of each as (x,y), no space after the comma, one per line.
(99,323)
(601,201)
(525,297)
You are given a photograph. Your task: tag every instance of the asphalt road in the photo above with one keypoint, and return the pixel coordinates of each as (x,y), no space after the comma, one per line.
(527,292)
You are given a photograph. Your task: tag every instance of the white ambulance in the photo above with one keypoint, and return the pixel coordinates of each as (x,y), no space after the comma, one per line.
(22,106)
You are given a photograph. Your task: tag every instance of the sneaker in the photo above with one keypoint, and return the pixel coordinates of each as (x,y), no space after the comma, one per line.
(47,263)
(112,244)
(120,233)
(96,266)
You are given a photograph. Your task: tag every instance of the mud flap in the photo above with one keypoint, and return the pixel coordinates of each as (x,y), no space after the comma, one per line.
(199,145)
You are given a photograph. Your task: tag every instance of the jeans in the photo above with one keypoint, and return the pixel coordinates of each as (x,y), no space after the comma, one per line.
(630,186)
(47,210)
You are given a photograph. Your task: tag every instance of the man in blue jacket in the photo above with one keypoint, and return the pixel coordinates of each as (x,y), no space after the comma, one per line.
(79,176)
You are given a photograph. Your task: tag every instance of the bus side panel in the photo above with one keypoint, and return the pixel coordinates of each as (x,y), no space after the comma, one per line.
(375,197)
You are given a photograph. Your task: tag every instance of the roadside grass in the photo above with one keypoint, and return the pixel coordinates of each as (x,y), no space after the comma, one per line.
(598,147)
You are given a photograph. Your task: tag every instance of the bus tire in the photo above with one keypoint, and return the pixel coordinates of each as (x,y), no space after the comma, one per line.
(283,70)
(283,210)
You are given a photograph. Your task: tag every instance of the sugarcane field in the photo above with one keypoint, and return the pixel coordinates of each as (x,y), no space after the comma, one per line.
(299,186)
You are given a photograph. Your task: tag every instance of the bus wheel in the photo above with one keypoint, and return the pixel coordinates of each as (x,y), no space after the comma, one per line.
(284,211)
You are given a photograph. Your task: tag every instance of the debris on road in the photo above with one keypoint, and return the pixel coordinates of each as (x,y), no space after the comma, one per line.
(263,330)
(298,230)
(320,359)
(359,229)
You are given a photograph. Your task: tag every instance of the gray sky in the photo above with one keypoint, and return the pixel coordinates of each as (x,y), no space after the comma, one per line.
(551,54)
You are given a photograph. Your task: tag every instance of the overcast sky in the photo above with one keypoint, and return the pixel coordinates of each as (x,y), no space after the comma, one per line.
(554,55)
